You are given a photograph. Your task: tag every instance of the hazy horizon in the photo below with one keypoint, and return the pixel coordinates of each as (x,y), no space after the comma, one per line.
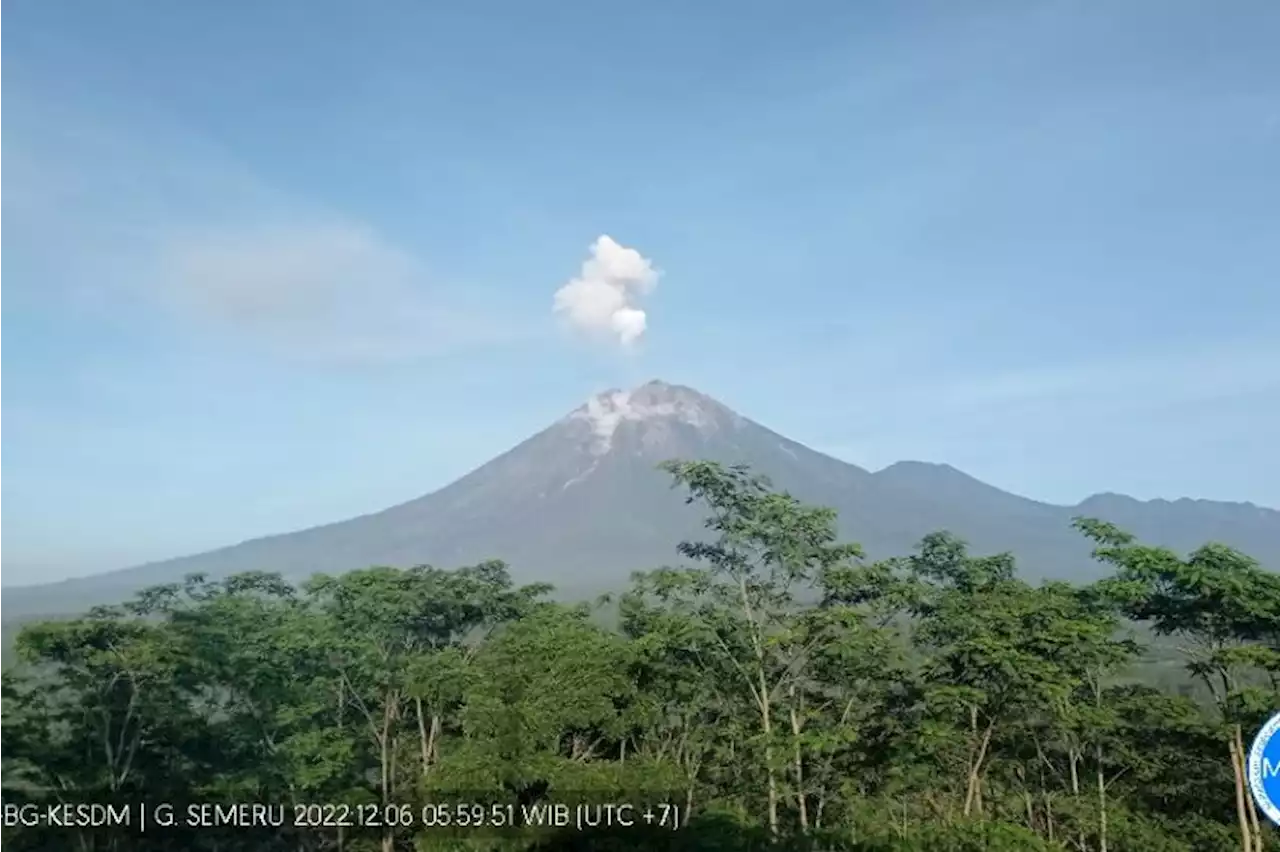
(407,498)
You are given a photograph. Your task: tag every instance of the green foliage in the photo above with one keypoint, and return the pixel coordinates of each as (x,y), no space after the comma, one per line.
(778,692)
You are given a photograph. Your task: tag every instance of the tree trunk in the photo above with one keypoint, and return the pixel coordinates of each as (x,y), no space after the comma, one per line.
(764,700)
(1250,806)
(798,762)
(1102,805)
(1246,836)
(386,755)
(973,795)
(342,705)
(1073,758)
(766,723)
(424,740)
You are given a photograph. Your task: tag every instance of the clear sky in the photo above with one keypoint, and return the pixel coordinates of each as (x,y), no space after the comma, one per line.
(272,264)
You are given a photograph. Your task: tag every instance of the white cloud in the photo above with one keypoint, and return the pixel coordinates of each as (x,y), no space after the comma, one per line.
(601,301)
(332,290)
(273,274)
(122,221)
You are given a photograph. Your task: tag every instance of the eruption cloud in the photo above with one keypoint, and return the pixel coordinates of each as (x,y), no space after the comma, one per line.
(601,301)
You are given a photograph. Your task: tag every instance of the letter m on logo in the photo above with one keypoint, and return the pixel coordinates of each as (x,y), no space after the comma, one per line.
(1269,769)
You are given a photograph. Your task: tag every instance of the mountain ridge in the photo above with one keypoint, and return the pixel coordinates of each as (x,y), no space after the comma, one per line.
(581,504)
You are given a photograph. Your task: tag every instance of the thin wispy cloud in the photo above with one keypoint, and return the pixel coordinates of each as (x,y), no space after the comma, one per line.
(184,231)
(330,290)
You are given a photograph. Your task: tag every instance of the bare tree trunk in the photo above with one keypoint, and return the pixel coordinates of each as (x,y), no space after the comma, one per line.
(1074,758)
(973,795)
(1251,808)
(764,700)
(767,724)
(385,757)
(798,762)
(1246,836)
(424,740)
(342,706)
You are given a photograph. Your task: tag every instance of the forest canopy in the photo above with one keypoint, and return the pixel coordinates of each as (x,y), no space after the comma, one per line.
(778,691)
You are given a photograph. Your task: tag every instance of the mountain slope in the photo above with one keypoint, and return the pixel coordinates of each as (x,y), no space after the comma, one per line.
(581,505)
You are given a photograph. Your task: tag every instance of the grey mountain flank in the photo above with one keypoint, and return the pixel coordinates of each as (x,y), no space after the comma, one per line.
(581,505)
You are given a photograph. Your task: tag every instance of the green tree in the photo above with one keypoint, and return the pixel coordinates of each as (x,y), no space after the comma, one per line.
(767,547)
(1226,611)
(782,693)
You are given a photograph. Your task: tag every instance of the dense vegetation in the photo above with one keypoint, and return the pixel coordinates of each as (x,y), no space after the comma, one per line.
(785,692)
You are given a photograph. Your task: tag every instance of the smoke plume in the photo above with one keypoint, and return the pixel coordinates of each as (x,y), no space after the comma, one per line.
(602,300)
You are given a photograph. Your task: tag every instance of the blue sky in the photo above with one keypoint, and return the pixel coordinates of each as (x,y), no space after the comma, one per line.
(274,264)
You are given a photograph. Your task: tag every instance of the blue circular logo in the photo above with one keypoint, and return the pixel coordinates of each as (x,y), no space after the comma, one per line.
(1264,769)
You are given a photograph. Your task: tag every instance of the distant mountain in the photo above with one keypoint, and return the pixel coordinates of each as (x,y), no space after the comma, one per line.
(581,505)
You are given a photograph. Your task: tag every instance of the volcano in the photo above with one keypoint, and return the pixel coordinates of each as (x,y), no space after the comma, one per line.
(581,505)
